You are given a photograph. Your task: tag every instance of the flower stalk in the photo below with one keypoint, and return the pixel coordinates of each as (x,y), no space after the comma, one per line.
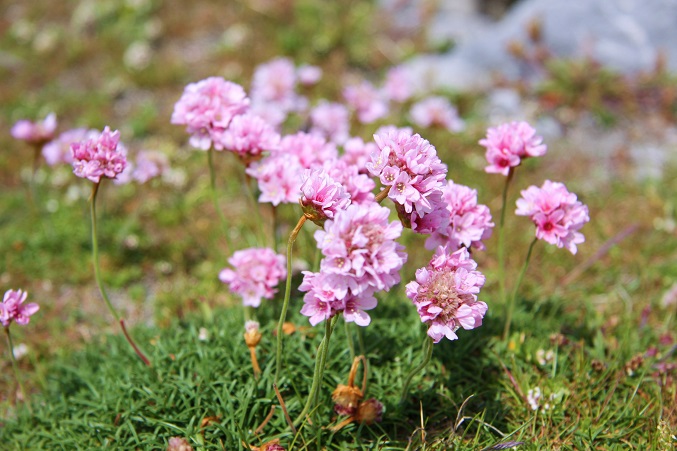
(15,367)
(287,295)
(501,237)
(513,298)
(99,282)
(427,354)
(215,198)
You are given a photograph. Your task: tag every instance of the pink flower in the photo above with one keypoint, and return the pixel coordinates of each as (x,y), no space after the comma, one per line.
(322,196)
(436,112)
(309,75)
(150,164)
(13,308)
(409,165)
(360,258)
(467,223)
(59,150)
(257,271)
(279,178)
(273,91)
(508,144)
(397,86)
(358,153)
(249,136)
(206,109)
(98,157)
(366,101)
(311,150)
(35,133)
(359,186)
(557,214)
(445,294)
(331,120)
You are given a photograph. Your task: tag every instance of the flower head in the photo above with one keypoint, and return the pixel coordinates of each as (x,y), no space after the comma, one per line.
(445,294)
(436,112)
(467,223)
(557,214)
(309,75)
(150,164)
(100,156)
(256,273)
(249,136)
(279,178)
(35,133)
(366,101)
(59,150)
(206,109)
(311,150)
(14,309)
(397,86)
(508,144)
(331,120)
(322,196)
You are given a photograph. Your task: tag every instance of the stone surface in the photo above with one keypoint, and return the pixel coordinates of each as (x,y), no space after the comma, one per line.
(626,35)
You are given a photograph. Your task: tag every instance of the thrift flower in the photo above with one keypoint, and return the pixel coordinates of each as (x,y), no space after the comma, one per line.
(101,156)
(59,150)
(322,196)
(360,257)
(358,153)
(206,109)
(468,224)
(256,273)
(436,112)
(409,165)
(14,309)
(273,91)
(359,186)
(35,133)
(508,144)
(249,136)
(445,294)
(366,101)
(331,120)
(397,86)
(309,75)
(311,150)
(556,212)
(279,178)
(150,164)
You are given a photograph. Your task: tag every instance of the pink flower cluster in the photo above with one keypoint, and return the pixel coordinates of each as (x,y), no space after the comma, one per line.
(397,86)
(59,150)
(557,214)
(409,165)
(467,224)
(508,144)
(331,120)
(206,109)
(257,271)
(248,135)
(150,164)
(100,156)
(367,102)
(445,294)
(436,112)
(273,91)
(35,133)
(14,309)
(322,196)
(360,258)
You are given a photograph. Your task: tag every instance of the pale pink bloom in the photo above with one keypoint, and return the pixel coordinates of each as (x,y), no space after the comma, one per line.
(206,109)
(670,296)
(360,258)
(359,186)
(445,294)
(309,75)
(178,444)
(409,165)
(436,112)
(279,178)
(557,214)
(35,133)
(14,309)
(467,223)
(366,101)
(251,326)
(256,273)
(150,164)
(98,157)
(358,153)
(59,150)
(322,196)
(273,91)
(397,86)
(311,150)
(508,144)
(249,136)
(331,120)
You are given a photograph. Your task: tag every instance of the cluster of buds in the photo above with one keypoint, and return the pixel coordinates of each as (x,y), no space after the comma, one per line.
(348,400)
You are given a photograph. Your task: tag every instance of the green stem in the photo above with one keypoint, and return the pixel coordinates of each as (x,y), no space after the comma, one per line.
(320,362)
(254,205)
(511,305)
(215,198)
(427,354)
(501,238)
(287,295)
(349,338)
(99,282)
(15,367)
